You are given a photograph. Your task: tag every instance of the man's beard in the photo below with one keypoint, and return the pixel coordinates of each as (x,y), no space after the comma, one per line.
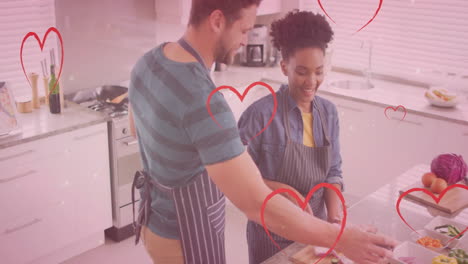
(224,55)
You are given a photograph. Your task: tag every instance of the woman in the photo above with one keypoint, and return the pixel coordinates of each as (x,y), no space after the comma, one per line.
(300,148)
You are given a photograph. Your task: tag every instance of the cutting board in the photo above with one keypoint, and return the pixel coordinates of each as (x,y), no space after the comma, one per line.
(307,256)
(453,201)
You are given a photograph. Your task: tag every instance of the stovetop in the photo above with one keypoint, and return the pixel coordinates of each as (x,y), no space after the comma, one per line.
(109,109)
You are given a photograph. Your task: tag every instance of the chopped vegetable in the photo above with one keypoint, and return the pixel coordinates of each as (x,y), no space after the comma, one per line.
(450,167)
(442,259)
(335,261)
(442,94)
(430,242)
(460,255)
(449,230)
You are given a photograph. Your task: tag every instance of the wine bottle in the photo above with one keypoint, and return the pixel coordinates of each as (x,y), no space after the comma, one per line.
(54,96)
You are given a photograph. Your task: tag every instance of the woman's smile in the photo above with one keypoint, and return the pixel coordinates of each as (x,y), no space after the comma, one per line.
(308,91)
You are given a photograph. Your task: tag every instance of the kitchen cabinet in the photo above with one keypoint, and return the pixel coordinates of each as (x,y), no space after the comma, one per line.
(178,11)
(359,145)
(54,192)
(268,7)
(376,149)
(173,12)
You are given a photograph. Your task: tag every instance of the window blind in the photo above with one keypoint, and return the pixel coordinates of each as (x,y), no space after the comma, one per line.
(17,18)
(413,39)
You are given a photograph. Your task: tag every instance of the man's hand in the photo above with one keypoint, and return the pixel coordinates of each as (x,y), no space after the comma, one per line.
(364,247)
(278,185)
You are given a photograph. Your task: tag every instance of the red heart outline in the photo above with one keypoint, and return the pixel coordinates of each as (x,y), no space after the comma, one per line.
(437,199)
(41,45)
(241,97)
(368,22)
(303,205)
(395,109)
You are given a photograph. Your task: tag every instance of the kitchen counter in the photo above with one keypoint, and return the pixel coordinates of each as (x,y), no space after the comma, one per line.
(41,123)
(384,94)
(384,215)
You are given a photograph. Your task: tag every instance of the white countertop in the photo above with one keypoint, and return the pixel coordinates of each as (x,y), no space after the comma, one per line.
(382,205)
(41,123)
(385,93)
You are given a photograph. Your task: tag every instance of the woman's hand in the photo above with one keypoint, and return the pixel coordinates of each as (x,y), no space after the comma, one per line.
(334,218)
(278,185)
(334,206)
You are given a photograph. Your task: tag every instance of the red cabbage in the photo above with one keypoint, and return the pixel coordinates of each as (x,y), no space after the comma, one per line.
(450,167)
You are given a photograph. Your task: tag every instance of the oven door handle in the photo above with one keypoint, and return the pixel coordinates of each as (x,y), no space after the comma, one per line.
(131,142)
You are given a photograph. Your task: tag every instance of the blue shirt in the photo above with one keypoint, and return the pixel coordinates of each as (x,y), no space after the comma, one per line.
(268,148)
(177,136)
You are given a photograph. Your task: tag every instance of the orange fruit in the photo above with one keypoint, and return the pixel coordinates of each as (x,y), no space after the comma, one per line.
(438,185)
(428,178)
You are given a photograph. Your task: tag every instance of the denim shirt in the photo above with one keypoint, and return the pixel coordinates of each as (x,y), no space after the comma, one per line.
(267,149)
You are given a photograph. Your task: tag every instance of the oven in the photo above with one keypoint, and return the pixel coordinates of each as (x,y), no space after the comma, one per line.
(125,161)
(124,156)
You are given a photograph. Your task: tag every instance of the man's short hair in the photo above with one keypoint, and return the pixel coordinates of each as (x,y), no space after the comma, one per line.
(201,9)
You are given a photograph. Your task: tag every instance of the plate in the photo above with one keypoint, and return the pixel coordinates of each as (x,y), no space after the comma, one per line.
(410,249)
(423,233)
(438,221)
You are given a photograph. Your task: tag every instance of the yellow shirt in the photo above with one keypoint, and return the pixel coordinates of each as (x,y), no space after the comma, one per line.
(308,137)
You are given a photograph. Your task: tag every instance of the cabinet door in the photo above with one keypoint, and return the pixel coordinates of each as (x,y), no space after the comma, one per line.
(173,12)
(289,5)
(37,233)
(449,137)
(34,176)
(91,169)
(359,145)
(269,7)
(60,194)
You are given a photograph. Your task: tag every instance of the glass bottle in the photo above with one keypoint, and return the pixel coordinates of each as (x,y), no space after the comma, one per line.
(54,96)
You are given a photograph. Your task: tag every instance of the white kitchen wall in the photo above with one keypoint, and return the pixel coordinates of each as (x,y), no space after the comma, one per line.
(103,39)
(411,38)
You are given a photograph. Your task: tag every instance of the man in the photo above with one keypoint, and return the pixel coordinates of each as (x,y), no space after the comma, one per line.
(190,163)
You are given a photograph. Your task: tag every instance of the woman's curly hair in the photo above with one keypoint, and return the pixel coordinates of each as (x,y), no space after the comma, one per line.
(300,29)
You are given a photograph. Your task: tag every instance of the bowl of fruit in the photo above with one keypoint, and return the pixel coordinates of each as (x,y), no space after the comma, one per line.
(441,97)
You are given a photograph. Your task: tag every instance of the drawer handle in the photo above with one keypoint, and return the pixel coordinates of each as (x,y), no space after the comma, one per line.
(90,135)
(18,176)
(407,121)
(33,222)
(350,108)
(130,143)
(16,155)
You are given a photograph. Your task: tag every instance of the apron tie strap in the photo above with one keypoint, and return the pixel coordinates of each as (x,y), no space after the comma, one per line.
(140,180)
